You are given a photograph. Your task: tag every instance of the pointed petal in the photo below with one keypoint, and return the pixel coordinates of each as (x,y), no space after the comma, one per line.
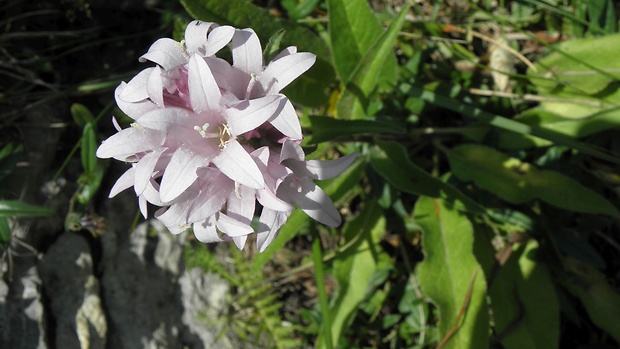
(165,52)
(212,197)
(240,241)
(313,201)
(130,141)
(268,199)
(143,206)
(180,174)
(168,120)
(218,39)
(232,227)
(123,182)
(173,217)
(248,115)
(136,89)
(283,71)
(235,162)
(203,90)
(155,87)
(133,109)
(116,125)
(324,169)
(269,225)
(206,232)
(286,120)
(286,52)
(196,36)
(241,204)
(247,52)
(291,150)
(144,169)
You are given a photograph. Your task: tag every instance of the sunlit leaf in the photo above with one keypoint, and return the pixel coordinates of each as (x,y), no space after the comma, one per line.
(364,78)
(89,148)
(391,161)
(81,115)
(525,306)
(450,275)
(354,267)
(519,182)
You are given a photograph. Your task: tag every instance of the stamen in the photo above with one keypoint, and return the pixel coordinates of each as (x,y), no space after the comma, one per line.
(253,80)
(225,136)
(203,131)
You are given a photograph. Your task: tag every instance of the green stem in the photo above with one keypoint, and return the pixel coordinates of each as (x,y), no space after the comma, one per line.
(317,258)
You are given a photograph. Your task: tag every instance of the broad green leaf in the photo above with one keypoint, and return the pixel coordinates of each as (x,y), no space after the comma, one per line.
(518,182)
(81,115)
(601,13)
(391,161)
(310,88)
(600,120)
(601,300)
(89,149)
(579,66)
(353,31)
(337,188)
(367,73)
(10,208)
(326,128)
(511,125)
(450,275)
(354,267)
(525,306)
(297,10)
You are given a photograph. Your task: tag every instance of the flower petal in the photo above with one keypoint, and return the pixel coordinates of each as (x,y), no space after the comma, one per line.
(218,39)
(232,227)
(206,232)
(204,92)
(133,109)
(123,182)
(248,115)
(324,169)
(291,150)
(155,87)
(165,52)
(130,141)
(283,71)
(235,162)
(212,195)
(286,120)
(136,89)
(269,225)
(247,51)
(312,200)
(196,36)
(168,120)
(179,174)
(144,169)
(241,204)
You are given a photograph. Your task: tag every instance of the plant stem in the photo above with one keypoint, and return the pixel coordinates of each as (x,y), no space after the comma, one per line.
(317,258)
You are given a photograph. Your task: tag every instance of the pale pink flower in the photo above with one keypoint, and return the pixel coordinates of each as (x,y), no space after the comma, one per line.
(209,139)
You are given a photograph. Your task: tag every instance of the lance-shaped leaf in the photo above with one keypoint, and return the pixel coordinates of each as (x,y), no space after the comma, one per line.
(519,182)
(356,265)
(450,275)
(9,208)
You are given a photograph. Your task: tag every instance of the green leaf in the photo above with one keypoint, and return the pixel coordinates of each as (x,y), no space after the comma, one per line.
(9,156)
(5,232)
(369,68)
(601,300)
(89,149)
(450,275)
(10,208)
(326,129)
(525,305)
(297,10)
(353,31)
(518,182)
(354,267)
(273,46)
(512,125)
(337,188)
(310,88)
(90,184)
(391,161)
(81,115)
(601,13)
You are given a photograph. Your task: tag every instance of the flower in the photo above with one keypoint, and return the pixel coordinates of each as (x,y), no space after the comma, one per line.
(210,138)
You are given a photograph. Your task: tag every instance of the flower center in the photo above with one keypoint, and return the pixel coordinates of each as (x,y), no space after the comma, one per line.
(223,134)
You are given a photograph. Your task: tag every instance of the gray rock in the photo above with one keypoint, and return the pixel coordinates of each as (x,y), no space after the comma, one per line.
(22,324)
(73,293)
